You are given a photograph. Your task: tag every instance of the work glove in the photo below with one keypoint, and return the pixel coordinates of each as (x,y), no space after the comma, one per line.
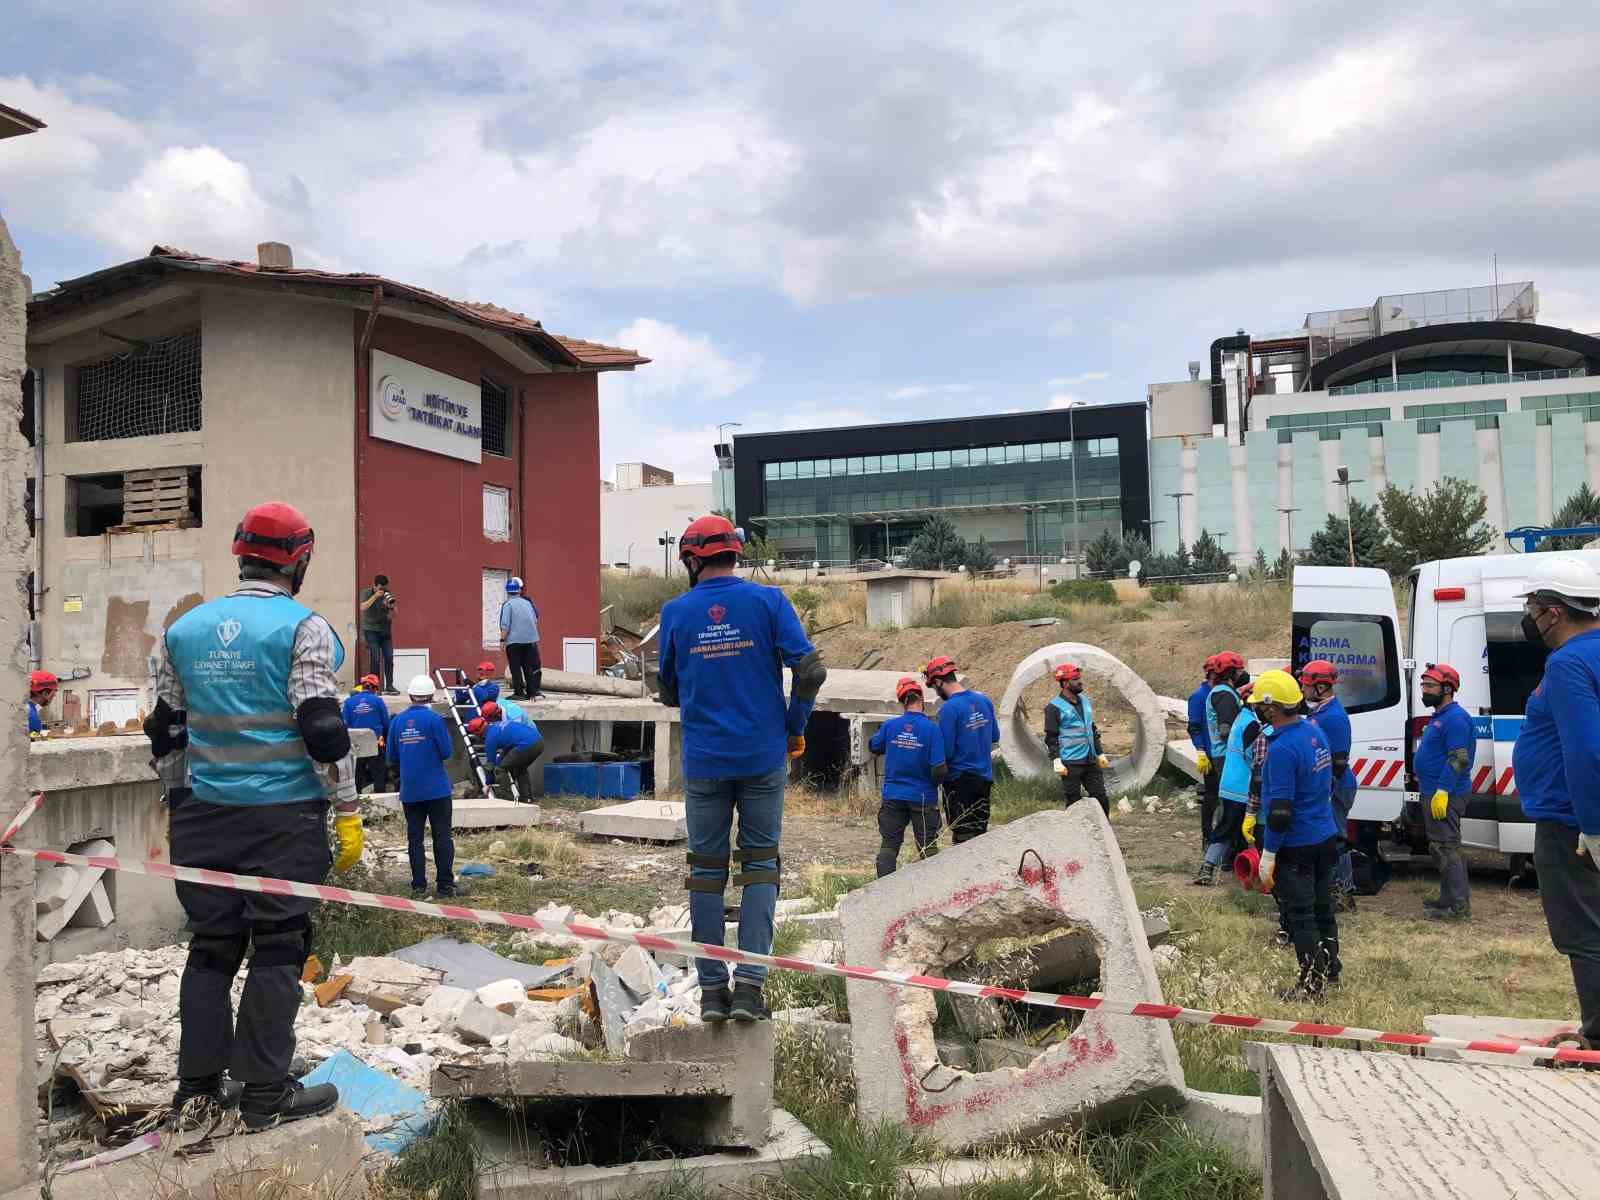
(37,735)
(1440,805)
(1248,828)
(1202,761)
(797,745)
(1102,762)
(347,829)
(1269,871)
(1061,768)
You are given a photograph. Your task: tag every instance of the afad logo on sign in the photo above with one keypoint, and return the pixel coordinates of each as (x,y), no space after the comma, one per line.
(392,397)
(227,631)
(716,612)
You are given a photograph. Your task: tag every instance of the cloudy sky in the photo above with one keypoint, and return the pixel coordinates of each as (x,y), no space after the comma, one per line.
(825,213)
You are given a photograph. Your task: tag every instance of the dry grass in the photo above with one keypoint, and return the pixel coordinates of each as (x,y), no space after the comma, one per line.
(556,853)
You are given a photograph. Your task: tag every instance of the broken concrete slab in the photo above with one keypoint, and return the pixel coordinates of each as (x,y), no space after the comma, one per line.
(613,1003)
(562,1080)
(51,923)
(955,1177)
(993,1054)
(745,1118)
(469,965)
(503,994)
(726,1176)
(1231,1121)
(639,973)
(646,820)
(478,1025)
(1341,1124)
(1054,870)
(445,1002)
(95,912)
(392,977)
(472,812)
(19,1147)
(1180,753)
(1534,1032)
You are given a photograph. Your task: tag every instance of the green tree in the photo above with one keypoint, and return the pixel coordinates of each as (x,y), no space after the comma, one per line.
(1106,555)
(1138,550)
(937,546)
(1581,508)
(1183,560)
(978,557)
(1209,556)
(1284,568)
(1259,569)
(1446,521)
(1330,544)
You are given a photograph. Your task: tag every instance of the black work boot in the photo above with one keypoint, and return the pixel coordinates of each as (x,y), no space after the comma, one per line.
(199,1102)
(714,1004)
(264,1105)
(1206,876)
(747,1005)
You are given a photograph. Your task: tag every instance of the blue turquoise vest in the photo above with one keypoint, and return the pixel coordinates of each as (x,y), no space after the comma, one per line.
(232,656)
(1235,782)
(1219,744)
(1077,730)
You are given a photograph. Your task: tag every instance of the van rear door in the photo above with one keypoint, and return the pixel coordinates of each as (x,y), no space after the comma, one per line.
(1513,668)
(1347,616)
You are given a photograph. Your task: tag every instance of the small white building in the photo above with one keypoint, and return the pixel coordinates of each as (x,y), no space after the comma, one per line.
(895,598)
(633,520)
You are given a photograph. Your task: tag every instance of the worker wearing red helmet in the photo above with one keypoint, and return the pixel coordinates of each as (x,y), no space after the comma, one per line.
(41,690)
(511,746)
(247,695)
(1223,705)
(1318,680)
(1199,738)
(365,709)
(971,734)
(913,765)
(724,645)
(1443,758)
(1073,739)
(488,686)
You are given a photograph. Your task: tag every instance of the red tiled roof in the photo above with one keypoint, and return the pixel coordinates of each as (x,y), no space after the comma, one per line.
(563,351)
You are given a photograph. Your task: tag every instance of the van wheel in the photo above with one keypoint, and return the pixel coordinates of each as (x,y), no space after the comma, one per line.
(1522,871)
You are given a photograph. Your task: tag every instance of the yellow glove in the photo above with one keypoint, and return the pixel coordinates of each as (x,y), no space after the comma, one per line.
(797,745)
(347,829)
(1440,807)
(1249,828)
(1269,871)
(1202,761)
(1102,762)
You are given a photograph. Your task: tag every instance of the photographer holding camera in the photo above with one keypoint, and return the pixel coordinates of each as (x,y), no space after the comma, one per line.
(377,629)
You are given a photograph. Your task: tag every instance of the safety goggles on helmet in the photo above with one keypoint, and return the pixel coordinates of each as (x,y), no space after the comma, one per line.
(1318,670)
(939,668)
(491,711)
(1443,674)
(486,668)
(907,685)
(1067,672)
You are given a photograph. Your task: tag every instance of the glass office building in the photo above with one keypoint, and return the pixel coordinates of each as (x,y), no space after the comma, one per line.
(1015,480)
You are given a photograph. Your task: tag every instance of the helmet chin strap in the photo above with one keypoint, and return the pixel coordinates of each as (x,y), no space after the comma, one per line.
(693,565)
(299,576)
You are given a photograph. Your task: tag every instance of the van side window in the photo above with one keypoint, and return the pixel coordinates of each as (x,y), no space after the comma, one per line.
(1363,648)
(1516,665)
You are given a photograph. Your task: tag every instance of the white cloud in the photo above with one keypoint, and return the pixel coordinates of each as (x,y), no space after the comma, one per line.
(195,196)
(1062,381)
(937,389)
(1065,400)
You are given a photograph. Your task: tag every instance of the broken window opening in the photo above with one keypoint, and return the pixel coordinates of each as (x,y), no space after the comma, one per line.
(150,390)
(133,501)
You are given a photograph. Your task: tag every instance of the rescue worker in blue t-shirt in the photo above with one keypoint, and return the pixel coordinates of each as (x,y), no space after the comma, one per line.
(971,733)
(724,645)
(1318,679)
(1557,764)
(1234,789)
(41,690)
(365,709)
(511,747)
(1223,705)
(247,733)
(488,686)
(1443,762)
(913,765)
(1201,742)
(420,745)
(1301,844)
(1073,740)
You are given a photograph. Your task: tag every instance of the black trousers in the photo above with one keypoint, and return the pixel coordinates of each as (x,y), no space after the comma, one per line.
(437,814)
(1085,776)
(373,769)
(527,671)
(516,763)
(284,841)
(966,806)
(1209,800)
(1304,885)
(1569,889)
(893,817)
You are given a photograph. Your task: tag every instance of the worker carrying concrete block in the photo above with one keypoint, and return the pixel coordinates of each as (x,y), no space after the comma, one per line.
(724,645)
(1073,740)
(913,750)
(246,685)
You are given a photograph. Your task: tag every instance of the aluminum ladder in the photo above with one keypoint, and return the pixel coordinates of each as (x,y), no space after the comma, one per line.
(461,714)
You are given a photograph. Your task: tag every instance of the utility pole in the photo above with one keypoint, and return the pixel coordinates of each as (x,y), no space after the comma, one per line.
(666,541)
(1072,439)
(1344,481)
(1290,512)
(1177,499)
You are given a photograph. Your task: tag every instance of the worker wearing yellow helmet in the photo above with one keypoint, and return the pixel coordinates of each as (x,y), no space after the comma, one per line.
(1300,847)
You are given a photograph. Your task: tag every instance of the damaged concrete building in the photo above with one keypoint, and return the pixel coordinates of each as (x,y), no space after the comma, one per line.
(448,445)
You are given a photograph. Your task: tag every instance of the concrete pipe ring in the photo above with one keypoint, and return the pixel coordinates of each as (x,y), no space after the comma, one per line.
(1021,732)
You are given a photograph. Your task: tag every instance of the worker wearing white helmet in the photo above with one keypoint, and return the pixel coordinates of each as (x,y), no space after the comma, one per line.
(420,745)
(1557,760)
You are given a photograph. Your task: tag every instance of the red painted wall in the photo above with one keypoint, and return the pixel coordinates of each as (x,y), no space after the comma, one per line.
(419,516)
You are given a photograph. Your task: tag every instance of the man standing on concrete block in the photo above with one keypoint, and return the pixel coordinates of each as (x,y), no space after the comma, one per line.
(1443,760)
(1557,761)
(1301,844)
(971,732)
(246,684)
(913,751)
(1073,740)
(1202,751)
(519,634)
(724,645)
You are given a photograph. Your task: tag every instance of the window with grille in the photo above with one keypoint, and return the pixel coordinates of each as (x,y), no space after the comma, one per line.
(496,418)
(150,390)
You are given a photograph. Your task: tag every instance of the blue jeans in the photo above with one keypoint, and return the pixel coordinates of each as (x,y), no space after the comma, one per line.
(380,654)
(709,807)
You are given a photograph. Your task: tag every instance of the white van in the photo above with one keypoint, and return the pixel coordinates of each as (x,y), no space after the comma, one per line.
(1463,611)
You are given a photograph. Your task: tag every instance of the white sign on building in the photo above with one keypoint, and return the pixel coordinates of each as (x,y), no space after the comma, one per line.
(424,408)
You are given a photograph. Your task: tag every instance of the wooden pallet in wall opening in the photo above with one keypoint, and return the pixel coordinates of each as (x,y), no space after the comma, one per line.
(156,496)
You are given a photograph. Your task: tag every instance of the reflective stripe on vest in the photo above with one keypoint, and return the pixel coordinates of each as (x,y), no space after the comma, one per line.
(1219,744)
(233,657)
(1076,726)
(1235,782)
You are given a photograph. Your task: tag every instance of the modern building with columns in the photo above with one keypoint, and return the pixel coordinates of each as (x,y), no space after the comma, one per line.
(1461,383)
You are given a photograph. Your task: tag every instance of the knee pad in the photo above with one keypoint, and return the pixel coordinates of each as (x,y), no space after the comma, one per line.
(281,943)
(707,862)
(772,875)
(218,955)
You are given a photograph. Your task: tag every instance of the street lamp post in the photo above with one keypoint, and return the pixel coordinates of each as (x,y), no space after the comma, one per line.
(1177,499)
(1072,441)
(1343,480)
(666,541)
(1289,531)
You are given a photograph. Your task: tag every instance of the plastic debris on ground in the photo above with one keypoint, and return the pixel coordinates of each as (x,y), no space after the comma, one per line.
(392,1113)
(469,965)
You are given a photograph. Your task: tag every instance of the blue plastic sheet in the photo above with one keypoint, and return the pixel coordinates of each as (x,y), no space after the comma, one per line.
(371,1094)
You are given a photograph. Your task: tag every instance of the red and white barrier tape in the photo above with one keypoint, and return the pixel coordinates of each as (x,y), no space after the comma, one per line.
(654,942)
(21,819)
